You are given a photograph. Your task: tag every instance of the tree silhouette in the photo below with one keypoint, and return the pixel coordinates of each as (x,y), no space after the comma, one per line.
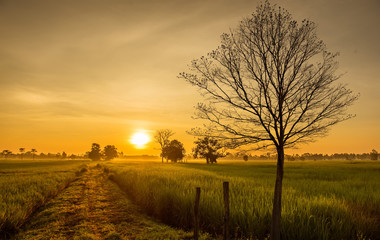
(174,151)
(110,152)
(271,83)
(374,154)
(162,137)
(95,153)
(22,150)
(33,151)
(6,153)
(208,148)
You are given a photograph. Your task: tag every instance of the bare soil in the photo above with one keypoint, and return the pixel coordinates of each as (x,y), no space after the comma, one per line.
(93,207)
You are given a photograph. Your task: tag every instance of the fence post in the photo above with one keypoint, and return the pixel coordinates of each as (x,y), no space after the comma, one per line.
(226,210)
(196,213)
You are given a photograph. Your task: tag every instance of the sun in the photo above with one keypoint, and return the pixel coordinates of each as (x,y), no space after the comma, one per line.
(139,139)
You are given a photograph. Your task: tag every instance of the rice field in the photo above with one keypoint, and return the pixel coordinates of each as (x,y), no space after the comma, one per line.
(27,185)
(321,199)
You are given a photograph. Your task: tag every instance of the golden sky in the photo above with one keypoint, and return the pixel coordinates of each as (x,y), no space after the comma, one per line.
(75,72)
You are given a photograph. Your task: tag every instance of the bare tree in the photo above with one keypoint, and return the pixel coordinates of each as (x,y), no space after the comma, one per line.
(271,83)
(162,137)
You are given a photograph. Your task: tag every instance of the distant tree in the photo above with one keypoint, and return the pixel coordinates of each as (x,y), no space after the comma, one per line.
(174,151)
(33,151)
(22,150)
(208,148)
(245,157)
(270,83)
(95,154)
(162,138)
(64,155)
(110,152)
(374,155)
(6,153)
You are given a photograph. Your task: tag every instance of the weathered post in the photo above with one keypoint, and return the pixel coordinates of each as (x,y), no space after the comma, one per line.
(226,210)
(196,213)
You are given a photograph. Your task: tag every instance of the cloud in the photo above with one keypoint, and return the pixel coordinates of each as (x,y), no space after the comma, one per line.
(117,61)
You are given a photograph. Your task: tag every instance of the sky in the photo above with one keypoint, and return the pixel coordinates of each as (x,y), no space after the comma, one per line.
(77,72)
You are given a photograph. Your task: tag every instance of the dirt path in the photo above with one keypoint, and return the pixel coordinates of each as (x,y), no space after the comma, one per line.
(93,207)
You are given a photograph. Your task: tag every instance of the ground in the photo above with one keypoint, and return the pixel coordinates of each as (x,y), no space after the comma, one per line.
(93,207)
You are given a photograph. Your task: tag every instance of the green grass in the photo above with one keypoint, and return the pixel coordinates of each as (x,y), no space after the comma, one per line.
(27,185)
(93,207)
(321,200)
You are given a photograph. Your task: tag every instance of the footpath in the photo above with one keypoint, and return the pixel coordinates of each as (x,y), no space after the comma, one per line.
(93,207)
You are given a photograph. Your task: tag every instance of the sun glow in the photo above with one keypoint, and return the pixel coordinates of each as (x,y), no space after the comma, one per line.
(139,139)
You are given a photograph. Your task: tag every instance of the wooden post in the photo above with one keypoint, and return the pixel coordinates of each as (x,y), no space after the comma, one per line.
(196,213)
(226,210)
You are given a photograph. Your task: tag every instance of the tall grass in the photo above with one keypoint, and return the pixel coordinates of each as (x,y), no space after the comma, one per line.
(321,200)
(27,185)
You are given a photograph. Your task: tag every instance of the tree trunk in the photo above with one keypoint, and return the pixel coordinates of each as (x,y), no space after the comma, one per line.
(162,159)
(276,213)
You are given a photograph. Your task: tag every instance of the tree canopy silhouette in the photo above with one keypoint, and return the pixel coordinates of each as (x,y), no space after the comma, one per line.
(374,154)
(174,151)
(110,152)
(22,150)
(270,83)
(208,148)
(95,153)
(33,151)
